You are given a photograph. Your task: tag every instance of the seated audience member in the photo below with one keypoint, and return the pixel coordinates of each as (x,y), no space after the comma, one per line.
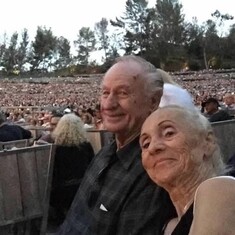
(229,101)
(87,120)
(47,138)
(67,111)
(99,125)
(10,132)
(72,157)
(180,154)
(213,113)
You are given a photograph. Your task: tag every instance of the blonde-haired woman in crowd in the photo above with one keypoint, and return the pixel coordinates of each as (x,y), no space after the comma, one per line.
(73,155)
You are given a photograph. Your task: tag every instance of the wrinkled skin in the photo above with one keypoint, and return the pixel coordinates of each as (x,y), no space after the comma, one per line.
(124,104)
(172,152)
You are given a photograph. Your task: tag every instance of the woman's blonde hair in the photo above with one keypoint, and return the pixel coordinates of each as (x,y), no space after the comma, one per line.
(69,131)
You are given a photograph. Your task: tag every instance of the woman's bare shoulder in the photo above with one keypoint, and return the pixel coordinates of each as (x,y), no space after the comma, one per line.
(214,207)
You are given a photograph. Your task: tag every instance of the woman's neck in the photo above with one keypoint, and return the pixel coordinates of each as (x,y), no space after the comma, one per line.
(182,191)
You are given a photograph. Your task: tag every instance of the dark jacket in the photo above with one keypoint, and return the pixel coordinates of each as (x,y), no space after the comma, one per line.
(69,167)
(116,196)
(221,115)
(13,132)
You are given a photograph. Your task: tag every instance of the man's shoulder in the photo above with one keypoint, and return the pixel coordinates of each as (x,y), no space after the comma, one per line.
(46,138)
(221,115)
(9,127)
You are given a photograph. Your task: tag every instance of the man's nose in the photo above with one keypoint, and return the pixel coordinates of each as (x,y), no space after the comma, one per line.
(109,102)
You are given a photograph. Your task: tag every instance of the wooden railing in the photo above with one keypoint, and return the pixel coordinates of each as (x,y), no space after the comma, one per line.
(25,184)
(15,144)
(225,132)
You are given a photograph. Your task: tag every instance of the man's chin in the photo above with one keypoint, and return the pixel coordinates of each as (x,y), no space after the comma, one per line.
(114,128)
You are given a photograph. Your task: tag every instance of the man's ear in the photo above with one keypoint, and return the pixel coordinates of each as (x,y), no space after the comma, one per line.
(210,144)
(155,99)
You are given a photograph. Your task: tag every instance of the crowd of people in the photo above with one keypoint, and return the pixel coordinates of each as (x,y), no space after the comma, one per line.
(81,95)
(164,164)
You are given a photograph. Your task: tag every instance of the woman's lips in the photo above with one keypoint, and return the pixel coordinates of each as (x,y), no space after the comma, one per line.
(163,160)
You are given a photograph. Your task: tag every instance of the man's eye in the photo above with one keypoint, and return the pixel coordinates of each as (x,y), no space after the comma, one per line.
(122,93)
(105,93)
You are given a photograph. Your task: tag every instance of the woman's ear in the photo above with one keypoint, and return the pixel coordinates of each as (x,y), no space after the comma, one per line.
(210,144)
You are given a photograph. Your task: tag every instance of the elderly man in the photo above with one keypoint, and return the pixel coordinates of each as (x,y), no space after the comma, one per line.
(229,101)
(116,196)
(54,119)
(213,113)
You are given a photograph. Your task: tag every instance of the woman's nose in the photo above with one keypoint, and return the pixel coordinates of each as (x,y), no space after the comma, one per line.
(156,146)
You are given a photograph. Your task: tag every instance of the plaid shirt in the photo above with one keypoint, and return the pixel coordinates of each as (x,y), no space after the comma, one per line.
(116,196)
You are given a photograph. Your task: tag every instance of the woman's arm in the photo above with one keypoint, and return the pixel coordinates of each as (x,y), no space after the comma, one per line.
(214,207)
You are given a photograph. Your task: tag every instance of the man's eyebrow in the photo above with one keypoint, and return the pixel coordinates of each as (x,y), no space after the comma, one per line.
(123,86)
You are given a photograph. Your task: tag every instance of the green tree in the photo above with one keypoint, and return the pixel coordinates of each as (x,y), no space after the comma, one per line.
(220,19)
(3,47)
(170,28)
(85,45)
(101,30)
(210,42)
(134,26)
(9,60)
(63,53)
(229,48)
(194,44)
(22,55)
(43,49)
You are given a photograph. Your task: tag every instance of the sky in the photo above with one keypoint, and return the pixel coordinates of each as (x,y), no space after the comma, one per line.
(66,17)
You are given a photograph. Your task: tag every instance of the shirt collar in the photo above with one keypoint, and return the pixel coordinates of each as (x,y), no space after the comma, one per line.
(129,152)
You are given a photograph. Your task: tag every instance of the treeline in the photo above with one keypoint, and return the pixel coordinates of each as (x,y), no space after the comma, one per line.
(160,34)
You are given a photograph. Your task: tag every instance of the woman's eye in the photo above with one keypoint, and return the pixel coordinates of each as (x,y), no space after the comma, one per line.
(145,145)
(169,132)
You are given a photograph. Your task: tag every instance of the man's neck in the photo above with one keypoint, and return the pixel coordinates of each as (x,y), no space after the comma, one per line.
(121,142)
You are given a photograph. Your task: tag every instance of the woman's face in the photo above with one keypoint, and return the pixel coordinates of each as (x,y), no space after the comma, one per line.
(168,145)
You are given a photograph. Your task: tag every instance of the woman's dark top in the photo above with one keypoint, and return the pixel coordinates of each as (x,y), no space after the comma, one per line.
(184,225)
(69,167)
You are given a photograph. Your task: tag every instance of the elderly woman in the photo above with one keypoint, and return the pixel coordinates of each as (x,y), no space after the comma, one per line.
(180,153)
(72,157)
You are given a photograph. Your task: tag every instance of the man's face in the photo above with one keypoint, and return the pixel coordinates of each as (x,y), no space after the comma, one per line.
(228,100)
(124,104)
(53,122)
(211,107)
